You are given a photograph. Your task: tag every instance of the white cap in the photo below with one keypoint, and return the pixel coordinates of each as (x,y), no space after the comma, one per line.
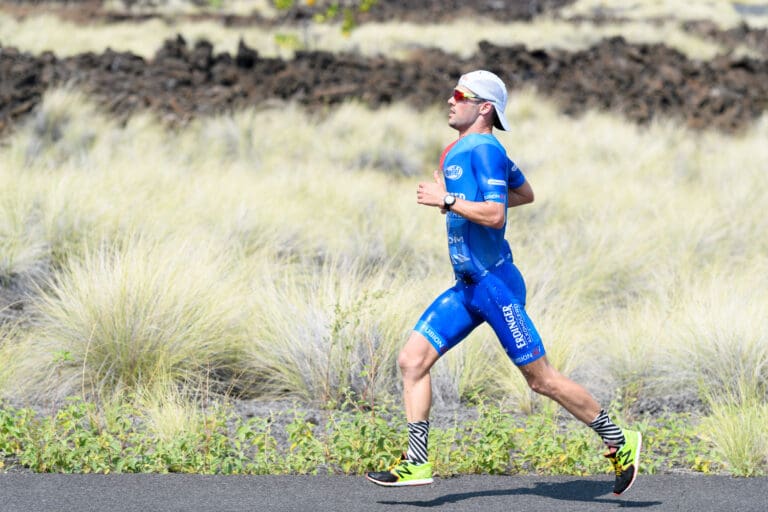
(491,88)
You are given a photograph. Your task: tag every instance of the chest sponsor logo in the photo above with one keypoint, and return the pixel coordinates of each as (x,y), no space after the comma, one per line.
(453,172)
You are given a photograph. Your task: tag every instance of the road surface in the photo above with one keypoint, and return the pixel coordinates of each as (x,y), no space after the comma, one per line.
(476,493)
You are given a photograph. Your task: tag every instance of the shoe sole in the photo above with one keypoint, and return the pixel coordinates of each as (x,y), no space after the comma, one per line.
(635,463)
(407,483)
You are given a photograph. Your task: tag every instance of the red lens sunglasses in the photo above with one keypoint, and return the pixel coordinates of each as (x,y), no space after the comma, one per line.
(464,96)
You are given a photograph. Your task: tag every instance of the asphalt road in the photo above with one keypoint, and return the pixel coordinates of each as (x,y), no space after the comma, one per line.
(192,493)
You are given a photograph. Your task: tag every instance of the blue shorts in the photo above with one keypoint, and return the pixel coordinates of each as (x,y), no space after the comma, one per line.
(497,298)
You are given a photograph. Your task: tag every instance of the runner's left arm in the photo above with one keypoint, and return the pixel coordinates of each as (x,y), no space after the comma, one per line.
(519,190)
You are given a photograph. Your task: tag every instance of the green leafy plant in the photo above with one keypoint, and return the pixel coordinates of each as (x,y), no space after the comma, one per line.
(83,438)
(362,440)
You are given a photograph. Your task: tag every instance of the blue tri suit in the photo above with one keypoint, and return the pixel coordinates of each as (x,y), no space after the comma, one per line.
(489,287)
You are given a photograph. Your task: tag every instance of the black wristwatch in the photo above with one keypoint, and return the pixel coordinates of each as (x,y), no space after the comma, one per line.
(449,201)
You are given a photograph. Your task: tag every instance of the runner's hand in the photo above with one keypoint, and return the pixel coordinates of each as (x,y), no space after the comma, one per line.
(431,194)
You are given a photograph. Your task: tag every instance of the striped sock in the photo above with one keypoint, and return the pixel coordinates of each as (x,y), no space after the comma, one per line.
(418,434)
(607,430)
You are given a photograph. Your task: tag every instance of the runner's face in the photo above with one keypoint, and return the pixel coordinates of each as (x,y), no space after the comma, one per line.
(464,110)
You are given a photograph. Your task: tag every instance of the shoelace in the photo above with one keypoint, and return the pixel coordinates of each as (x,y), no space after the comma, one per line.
(397,463)
(616,465)
(611,455)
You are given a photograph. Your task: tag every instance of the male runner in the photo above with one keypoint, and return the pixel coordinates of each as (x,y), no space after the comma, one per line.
(480,183)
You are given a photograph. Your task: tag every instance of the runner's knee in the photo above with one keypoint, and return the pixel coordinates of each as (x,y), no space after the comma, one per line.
(546,381)
(412,364)
(415,359)
(543,385)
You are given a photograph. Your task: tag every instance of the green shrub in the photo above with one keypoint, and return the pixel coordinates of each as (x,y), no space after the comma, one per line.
(81,438)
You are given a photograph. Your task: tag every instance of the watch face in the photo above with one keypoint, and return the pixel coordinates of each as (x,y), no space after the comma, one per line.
(449,199)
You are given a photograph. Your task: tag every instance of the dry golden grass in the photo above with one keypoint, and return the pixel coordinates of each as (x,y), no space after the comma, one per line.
(628,224)
(647,22)
(309,262)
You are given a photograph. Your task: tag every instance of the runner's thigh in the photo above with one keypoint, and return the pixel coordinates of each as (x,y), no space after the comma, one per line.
(448,320)
(507,316)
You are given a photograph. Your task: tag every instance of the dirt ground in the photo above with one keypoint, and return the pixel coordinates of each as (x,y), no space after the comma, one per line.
(182,80)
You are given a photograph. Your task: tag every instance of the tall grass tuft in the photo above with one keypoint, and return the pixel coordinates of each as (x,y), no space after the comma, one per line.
(11,334)
(320,333)
(722,334)
(24,250)
(736,429)
(132,314)
(57,135)
(168,411)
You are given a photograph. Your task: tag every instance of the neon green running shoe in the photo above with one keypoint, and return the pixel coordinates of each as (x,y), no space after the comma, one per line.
(402,473)
(626,461)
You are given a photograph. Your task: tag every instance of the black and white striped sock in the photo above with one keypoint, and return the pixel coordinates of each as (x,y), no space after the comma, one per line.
(607,430)
(418,435)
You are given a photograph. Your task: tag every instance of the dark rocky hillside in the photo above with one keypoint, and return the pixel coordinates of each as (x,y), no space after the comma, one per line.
(184,80)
